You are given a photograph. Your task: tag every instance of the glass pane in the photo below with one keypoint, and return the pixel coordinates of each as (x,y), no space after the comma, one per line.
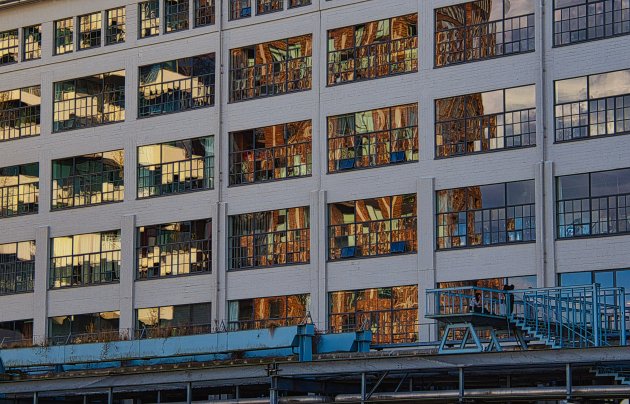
(573,186)
(610,182)
(571,90)
(520,192)
(520,98)
(609,84)
(575,278)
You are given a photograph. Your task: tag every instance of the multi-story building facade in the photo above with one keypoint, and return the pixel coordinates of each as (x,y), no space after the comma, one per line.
(191,164)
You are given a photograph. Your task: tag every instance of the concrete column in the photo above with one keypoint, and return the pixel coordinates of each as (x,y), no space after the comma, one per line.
(48,31)
(222,263)
(46,109)
(549,224)
(426,251)
(214,293)
(127,274)
(322,254)
(40,297)
(539,201)
(317,278)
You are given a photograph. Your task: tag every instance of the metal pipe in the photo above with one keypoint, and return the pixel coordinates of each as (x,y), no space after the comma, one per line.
(188,393)
(282,400)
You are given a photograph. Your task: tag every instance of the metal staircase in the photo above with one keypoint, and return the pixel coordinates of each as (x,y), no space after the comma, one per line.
(621,374)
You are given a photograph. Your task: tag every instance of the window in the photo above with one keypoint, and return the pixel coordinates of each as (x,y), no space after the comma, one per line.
(240,9)
(204,12)
(372,227)
(268,239)
(606,279)
(149,15)
(373,138)
(583,20)
(173,321)
(20,113)
(19,190)
(373,50)
(268,6)
(116,26)
(177,85)
(173,249)
(91,179)
(299,3)
(90,30)
(390,313)
(593,204)
(17,268)
(85,259)
(9,47)
(271,68)
(519,283)
(32,45)
(480,30)
(89,101)
(595,105)
(84,328)
(481,122)
(268,312)
(64,34)
(175,15)
(16,334)
(271,153)
(176,167)
(486,215)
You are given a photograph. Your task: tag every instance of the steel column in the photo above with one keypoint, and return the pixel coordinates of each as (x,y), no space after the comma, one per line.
(363,388)
(110,396)
(35,397)
(569,381)
(188,393)
(461,385)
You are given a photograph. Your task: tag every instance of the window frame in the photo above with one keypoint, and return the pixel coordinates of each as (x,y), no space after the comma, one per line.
(201,11)
(177,24)
(241,10)
(13,44)
(69,33)
(122,32)
(10,271)
(236,325)
(152,23)
(4,197)
(165,332)
(271,4)
(32,47)
(21,116)
(95,35)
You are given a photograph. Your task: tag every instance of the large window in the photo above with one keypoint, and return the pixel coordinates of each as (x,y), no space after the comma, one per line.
(593,204)
(268,6)
(19,190)
(16,334)
(149,18)
(20,113)
(17,267)
(594,105)
(481,122)
(204,12)
(177,85)
(483,29)
(268,312)
(84,328)
(240,9)
(271,68)
(173,321)
(299,3)
(64,36)
(175,167)
(373,138)
(89,101)
(271,238)
(372,227)
(116,25)
(271,153)
(85,259)
(584,20)
(519,283)
(390,313)
(90,26)
(32,42)
(486,215)
(606,279)
(173,249)
(372,50)
(175,15)
(9,47)
(91,179)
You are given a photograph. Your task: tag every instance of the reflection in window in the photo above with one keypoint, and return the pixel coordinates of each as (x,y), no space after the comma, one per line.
(175,167)
(175,15)
(299,3)
(483,29)
(9,46)
(583,20)
(85,259)
(32,42)
(204,12)
(64,35)
(91,179)
(116,26)
(90,30)
(390,313)
(84,328)
(372,50)
(89,101)
(271,153)
(173,249)
(268,6)
(480,122)
(149,16)
(16,334)
(373,138)
(268,312)
(271,238)
(271,68)
(594,105)
(240,9)
(20,113)
(177,85)
(173,321)
(593,204)
(606,279)
(17,267)
(486,215)
(372,227)
(19,190)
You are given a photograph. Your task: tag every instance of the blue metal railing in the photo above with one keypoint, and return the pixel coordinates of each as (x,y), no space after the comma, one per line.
(461,300)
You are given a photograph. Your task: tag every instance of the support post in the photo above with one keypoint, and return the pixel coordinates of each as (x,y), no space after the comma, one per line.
(569,382)
(35,397)
(363,388)
(188,393)
(273,391)
(461,385)
(110,396)
(159,397)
